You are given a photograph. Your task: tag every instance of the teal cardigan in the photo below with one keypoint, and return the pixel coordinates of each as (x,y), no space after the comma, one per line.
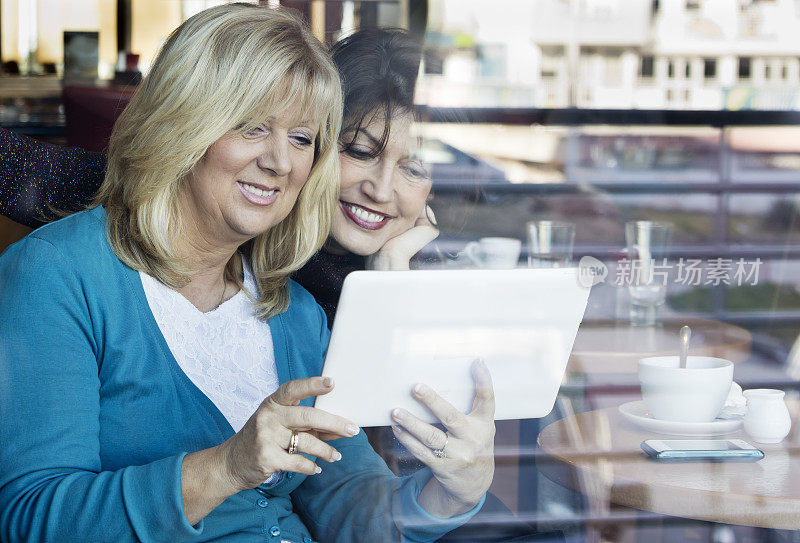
(96,416)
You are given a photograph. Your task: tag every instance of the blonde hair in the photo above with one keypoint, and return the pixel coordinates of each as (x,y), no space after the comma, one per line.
(227,68)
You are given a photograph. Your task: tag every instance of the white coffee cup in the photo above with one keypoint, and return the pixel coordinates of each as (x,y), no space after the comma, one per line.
(695,393)
(497,253)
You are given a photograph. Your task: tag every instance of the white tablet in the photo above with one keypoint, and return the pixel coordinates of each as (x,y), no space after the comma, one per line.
(395,329)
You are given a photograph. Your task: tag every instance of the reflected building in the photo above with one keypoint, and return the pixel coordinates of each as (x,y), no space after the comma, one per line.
(665,54)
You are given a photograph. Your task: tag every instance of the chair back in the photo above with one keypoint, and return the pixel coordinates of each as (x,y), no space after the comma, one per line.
(91,113)
(11,232)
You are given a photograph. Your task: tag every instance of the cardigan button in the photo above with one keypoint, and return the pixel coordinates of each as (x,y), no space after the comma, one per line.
(275,531)
(262,502)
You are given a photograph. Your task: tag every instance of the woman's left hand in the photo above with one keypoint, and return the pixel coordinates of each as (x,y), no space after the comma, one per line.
(461,456)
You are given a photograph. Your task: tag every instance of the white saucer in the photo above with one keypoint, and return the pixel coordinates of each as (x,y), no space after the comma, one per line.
(637,413)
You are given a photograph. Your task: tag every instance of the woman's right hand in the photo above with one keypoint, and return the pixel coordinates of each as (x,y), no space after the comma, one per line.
(260,448)
(398,251)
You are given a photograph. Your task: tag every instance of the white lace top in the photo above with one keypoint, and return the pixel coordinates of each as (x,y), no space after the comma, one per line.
(227,352)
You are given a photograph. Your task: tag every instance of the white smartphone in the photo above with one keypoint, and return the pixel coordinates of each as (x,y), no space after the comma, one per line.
(701,449)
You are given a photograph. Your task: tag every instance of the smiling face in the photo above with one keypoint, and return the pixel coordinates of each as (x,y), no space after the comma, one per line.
(381,197)
(247,182)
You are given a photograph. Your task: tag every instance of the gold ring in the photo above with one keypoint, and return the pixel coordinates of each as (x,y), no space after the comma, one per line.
(439,453)
(293,442)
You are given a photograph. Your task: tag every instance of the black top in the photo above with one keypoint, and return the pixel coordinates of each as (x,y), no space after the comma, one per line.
(324,275)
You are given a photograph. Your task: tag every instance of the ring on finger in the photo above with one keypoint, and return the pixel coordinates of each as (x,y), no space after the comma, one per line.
(439,453)
(293,441)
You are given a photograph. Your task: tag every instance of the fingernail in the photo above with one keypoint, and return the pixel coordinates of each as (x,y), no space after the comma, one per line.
(419,389)
(327,382)
(397,429)
(352,429)
(318,470)
(337,456)
(399,414)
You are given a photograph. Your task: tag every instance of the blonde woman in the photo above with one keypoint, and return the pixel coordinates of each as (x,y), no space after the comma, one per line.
(140,337)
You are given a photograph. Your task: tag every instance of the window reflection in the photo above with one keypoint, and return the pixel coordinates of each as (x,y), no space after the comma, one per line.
(502,155)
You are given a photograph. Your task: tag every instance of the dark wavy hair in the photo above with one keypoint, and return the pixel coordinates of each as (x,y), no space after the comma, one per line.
(378,67)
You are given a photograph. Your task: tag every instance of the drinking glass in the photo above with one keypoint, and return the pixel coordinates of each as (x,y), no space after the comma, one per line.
(647,243)
(550,244)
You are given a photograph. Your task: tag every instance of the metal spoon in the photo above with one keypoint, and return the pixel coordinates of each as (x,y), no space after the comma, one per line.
(684,334)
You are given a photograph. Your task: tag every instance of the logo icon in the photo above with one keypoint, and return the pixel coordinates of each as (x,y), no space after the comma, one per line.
(591,271)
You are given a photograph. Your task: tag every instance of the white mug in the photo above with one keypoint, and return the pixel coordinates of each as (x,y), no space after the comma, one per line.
(496,253)
(696,393)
